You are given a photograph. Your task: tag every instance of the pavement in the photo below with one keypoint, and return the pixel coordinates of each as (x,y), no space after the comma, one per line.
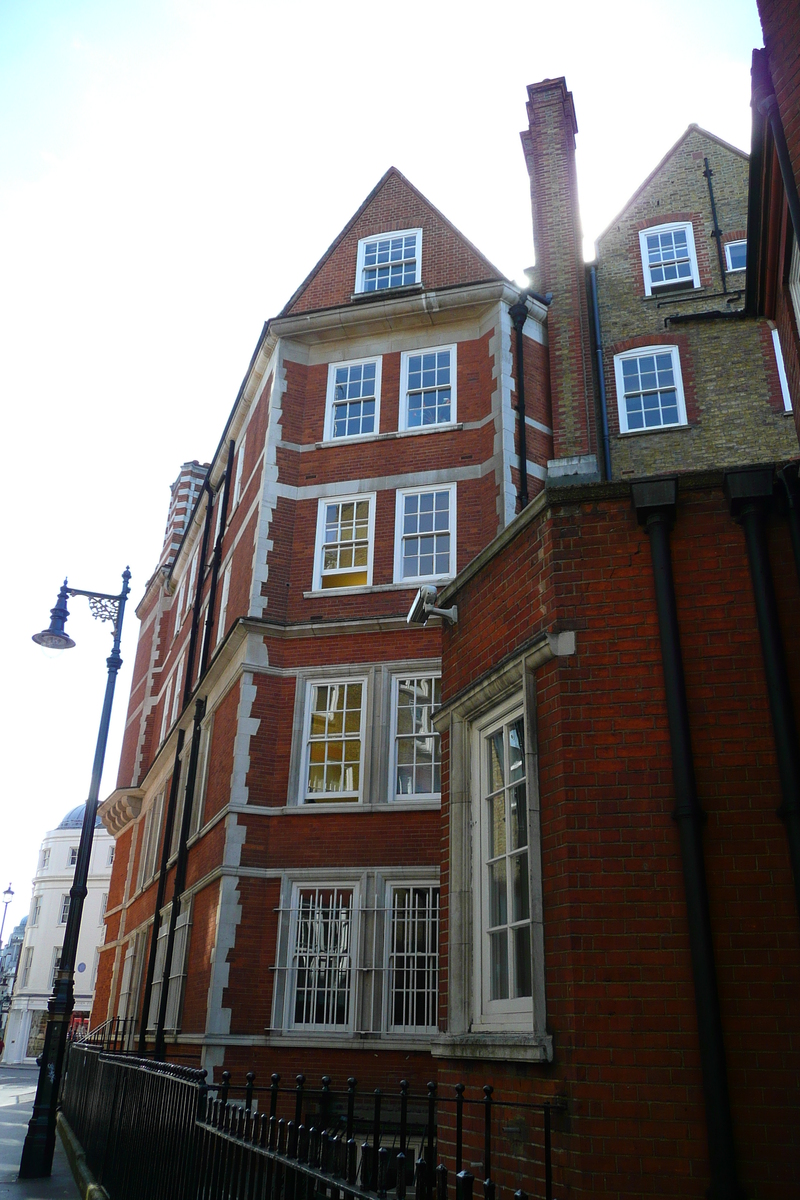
(17,1092)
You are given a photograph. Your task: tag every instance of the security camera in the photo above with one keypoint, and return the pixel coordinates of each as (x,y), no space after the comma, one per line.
(424,606)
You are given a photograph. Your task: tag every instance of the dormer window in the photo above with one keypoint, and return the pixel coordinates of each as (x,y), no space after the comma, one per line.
(669,261)
(389,260)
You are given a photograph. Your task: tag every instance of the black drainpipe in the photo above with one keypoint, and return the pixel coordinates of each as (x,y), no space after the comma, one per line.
(212,594)
(655,504)
(601,375)
(198,597)
(169,821)
(717,234)
(519,315)
(749,495)
(769,107)
(180,877)
(788,476)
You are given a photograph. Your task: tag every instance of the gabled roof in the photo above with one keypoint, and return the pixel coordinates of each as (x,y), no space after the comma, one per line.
(690,129)
(394,203)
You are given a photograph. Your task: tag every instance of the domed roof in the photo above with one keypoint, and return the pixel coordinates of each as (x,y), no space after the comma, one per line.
(74,819)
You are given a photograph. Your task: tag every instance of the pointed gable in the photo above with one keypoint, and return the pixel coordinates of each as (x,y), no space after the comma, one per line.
(448,258)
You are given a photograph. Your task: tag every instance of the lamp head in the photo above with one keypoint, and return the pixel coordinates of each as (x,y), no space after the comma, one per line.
(54,637)
(8,892)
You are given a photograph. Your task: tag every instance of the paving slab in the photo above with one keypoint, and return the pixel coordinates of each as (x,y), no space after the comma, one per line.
(13,1127)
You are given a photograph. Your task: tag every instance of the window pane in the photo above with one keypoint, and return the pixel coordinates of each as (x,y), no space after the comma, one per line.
(498,901)
(321,957)
(413,957)
(498,965)
(522,961)
(416,756)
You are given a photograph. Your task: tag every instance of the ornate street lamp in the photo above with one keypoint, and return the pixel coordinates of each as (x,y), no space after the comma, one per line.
(8,896)
(40,1140)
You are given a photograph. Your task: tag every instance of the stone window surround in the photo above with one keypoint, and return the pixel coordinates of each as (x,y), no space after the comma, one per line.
(461,717)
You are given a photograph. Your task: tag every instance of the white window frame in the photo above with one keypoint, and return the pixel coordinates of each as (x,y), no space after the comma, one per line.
(326,798)
(55,965)
(123,999)
(405,358)
(515,1012)
(328,434)
(650,288)
(319,542)
(179,606)
(151,836)
(223,603)
(112,850)
(641,352)
(26,967)
(779,363)
(400,495)
(201,776)
(36,909)
(45,863)
(72,856)
(394,795)
(103,907)
(794,281)
(63,912)
(176,695)
(237,482)
(432,954)
(360,266)
(728,247)
(165,722)
(289,1022)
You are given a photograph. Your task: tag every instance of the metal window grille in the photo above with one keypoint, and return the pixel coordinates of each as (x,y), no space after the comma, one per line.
(345,552)
(62,920)
(334,749)
(354,400)
(321,958)
(429,394)
(413,960)
(668,257)
(651,397)
(506,863)
(390,262)
(417,771)
(426,534)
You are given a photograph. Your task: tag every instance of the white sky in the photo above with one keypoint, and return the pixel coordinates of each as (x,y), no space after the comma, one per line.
(169,172)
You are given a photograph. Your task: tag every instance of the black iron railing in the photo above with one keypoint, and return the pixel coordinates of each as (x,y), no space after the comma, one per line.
(153,1130)
(117,1035)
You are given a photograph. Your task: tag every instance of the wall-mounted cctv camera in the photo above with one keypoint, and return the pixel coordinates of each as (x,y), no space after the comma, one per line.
(424,606)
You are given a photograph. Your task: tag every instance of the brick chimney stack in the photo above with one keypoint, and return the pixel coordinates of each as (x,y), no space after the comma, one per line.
(549,146)
(183,494)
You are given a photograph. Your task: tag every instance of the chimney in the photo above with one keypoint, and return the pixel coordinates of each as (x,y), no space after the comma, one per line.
(183,495)
(549,146)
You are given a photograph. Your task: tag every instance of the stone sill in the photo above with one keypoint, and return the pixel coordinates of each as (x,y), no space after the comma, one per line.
(495,1047)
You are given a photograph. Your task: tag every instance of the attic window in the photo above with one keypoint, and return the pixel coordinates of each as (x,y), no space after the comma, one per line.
(669,261)
(389,260)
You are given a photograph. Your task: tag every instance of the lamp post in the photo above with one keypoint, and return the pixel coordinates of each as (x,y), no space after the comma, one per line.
(37,1153)
(8,896)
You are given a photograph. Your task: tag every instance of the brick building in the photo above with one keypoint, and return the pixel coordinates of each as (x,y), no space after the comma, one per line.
(353,845)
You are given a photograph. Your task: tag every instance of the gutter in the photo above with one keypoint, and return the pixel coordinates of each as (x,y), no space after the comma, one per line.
(601,376)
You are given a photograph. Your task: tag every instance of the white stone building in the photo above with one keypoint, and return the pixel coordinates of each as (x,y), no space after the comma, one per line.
(44,933)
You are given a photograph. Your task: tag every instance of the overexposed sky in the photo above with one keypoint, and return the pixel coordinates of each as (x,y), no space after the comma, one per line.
(170,170)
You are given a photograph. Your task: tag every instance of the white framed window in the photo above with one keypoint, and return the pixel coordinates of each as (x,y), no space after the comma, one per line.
(55,966)
(503,959)
(425,534)
(45,859)
(179,606)
(794,281)
(176,694)
(389,260)
(344,543)
(415,743)
(72,857)
(36,910)
(237,481)
(198,801)
(736,255)
(27,962)
(428,388)
(669,260)
(334,741)
(177,972)
(649,389)
(412,958)
(165,713)
(111,854)
(151,837)
(353,401)
(123,1000)
(103,907)
(64,910)
(192,578)
(321,969)
(223,603)
(784,382)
